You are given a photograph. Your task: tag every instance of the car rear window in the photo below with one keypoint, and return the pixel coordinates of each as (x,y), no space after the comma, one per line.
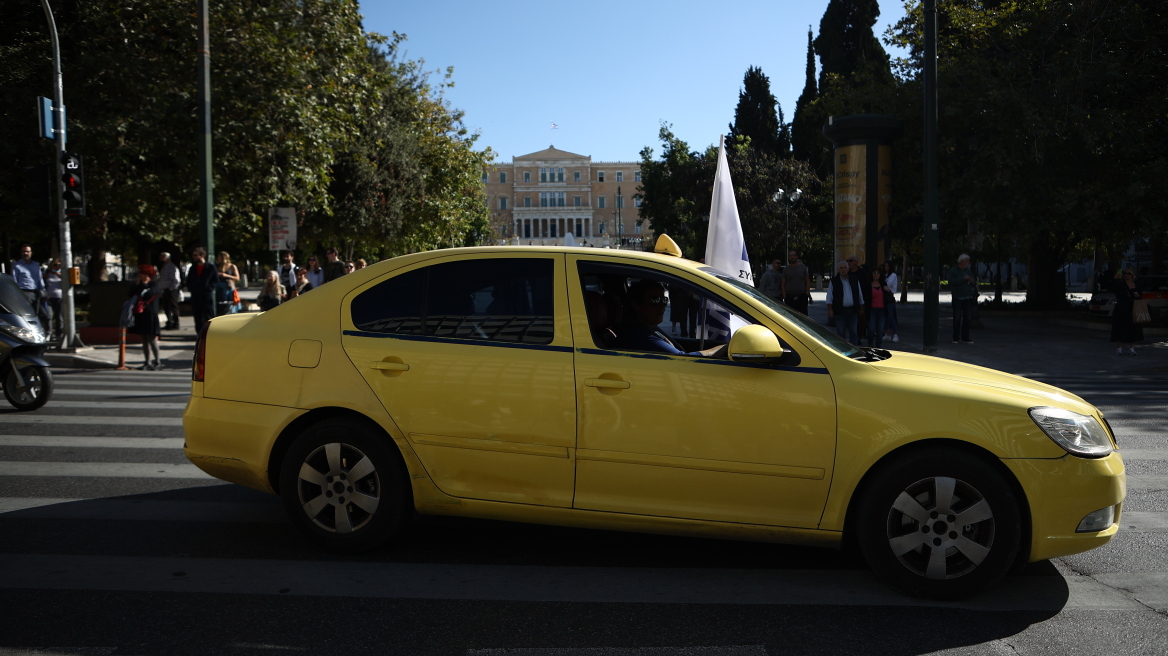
(493,299)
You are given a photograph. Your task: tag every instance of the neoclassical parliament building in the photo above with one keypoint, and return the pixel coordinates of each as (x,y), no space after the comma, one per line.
(544,196)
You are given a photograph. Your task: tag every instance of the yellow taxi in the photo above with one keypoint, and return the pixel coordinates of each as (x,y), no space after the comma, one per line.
(546,385)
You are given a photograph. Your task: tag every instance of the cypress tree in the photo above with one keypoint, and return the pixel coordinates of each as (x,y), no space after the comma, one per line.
(846,44)
(803,129)
(756,116)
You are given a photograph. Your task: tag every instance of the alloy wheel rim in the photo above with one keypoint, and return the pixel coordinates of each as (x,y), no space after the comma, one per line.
(31,389)
(338,488)
(940,528)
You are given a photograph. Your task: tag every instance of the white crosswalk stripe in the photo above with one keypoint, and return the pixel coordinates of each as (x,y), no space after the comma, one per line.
(119,441)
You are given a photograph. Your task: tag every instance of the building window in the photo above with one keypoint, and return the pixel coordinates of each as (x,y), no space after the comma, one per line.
(637,227)
(484,178)
(543,175)
(552,198)
(503,177)
(636,176)
(636,202)
(600,202)
(620,202)
(527,201)
(527,229)
(600,228)
(551,174)
(579,227)
(576,176)
(575,201)
(503,203)
(600,176)
(553,230)
(620,176)
(527,176)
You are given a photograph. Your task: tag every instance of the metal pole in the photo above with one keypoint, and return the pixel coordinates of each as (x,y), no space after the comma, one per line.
(932,320)
(206,183)
(66,241)
(620,226)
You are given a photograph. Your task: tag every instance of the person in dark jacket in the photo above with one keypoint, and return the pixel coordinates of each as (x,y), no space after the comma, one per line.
(961,286)
(146,324)
(202,278)
(1123,329)
(845,302)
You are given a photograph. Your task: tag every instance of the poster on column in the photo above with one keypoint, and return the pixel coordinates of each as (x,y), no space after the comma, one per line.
(282,229)
(851,212)
(884,156)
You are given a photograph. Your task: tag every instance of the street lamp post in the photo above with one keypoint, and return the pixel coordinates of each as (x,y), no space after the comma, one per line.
(791,197)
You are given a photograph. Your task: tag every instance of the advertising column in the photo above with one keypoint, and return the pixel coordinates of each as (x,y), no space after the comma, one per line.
(863,185)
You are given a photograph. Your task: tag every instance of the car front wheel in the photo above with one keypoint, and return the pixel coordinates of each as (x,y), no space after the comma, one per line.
(344,487)
(942,524)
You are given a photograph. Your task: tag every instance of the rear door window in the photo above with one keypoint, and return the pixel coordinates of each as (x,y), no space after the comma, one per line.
(492,299)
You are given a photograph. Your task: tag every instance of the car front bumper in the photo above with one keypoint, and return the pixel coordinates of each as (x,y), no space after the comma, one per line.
(1061,492)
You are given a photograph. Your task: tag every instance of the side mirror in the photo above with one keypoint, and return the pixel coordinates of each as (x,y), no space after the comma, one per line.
(758,344)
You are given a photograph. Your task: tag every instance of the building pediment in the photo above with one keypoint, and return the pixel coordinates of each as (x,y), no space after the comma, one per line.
(551,153)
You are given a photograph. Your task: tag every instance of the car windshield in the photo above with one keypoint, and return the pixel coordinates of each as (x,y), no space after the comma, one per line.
(12,301)
(821,333)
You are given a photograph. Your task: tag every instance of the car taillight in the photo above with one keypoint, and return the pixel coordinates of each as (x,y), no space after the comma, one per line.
(199,370)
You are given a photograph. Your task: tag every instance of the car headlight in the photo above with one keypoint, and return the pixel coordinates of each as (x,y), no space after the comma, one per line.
(1080,435)
(24,334)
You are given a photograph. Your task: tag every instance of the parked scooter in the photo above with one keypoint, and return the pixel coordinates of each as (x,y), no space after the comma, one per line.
(24,372)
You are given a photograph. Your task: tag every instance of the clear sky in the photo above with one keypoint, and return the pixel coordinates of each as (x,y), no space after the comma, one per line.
(606,72)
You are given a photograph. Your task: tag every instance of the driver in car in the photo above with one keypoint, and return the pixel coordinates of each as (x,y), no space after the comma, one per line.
(640,330)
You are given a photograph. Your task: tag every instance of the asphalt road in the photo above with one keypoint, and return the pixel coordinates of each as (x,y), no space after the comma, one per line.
(111,543)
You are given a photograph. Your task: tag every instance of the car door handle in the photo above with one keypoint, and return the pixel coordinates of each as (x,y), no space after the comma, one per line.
(390,366)
(606,383)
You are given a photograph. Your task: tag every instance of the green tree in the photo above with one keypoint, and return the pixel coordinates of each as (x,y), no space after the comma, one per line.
(758,115)
(805,135)
(846,45)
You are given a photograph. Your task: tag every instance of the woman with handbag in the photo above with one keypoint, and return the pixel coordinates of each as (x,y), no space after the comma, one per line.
(145,314)
(1124,329)
(228,277)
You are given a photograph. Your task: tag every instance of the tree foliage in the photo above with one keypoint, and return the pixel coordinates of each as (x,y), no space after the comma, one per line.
(758,115)
(308,111)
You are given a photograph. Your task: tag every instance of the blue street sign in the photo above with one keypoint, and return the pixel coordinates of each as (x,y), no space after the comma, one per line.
(45,118)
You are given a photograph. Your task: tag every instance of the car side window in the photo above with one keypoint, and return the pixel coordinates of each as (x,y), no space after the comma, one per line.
(493,299)
(693,319)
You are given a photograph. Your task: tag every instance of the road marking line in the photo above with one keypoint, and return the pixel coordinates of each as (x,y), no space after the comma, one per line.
(126,375)
(102,469)
(527,583)
(1147,482)
(1144,454)
(125,394)
(1144,522)
(148,510)
(116,405)
(64,383)
(98,442)
(88,420)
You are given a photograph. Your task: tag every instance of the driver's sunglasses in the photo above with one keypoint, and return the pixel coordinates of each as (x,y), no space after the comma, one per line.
(658,301)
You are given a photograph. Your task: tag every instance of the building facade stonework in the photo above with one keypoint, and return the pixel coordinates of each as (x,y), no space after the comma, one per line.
(543,197)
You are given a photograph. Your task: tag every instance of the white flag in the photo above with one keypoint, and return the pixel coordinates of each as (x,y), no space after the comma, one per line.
(725,246)
(725,250)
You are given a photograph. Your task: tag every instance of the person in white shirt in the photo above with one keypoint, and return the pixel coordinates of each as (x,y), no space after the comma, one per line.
(315,272)
(288,272)
(169,281)
(845,302)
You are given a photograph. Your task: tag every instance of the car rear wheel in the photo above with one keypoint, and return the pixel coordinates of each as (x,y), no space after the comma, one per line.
(940,523)
(344,487)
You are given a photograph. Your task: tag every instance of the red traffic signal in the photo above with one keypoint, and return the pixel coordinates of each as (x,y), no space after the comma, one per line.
(74,196)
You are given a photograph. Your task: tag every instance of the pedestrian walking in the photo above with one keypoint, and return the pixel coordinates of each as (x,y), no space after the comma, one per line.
(770,283)
(333,268)
(228,275)
(272,293)
(170,282)
(876,301)
(1123,329)
(860,273)
(845,300)
(288,271)
(796,283)
(53,295)
(147,293)
(891,322)
(27,273)
(962,292)
(202,278)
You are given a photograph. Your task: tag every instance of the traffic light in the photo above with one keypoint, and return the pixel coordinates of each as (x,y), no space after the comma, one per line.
(38,185)
(74,178)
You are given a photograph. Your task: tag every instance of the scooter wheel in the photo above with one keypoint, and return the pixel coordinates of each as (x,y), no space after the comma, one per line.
(37,388)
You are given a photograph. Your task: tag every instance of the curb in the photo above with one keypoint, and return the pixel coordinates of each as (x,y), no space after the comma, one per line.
(1091,325)
(74,361)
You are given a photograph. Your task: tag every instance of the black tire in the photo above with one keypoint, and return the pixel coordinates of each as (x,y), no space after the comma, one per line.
(36,391)
(926,546)
(332,507)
